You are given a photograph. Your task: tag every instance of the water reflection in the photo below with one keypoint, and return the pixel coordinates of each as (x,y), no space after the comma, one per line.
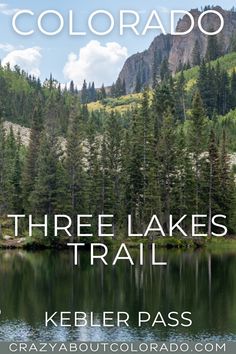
(200,282)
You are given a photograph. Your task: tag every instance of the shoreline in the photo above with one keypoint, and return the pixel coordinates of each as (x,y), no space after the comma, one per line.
(166,242)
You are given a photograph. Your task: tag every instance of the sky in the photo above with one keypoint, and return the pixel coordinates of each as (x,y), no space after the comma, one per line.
(91,57)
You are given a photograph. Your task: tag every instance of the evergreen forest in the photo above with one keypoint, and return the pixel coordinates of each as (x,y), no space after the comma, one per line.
(171,152)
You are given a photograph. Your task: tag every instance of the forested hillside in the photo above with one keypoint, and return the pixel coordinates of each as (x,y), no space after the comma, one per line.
(166,153)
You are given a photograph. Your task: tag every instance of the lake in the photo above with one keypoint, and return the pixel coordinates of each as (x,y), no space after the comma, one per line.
(202,282)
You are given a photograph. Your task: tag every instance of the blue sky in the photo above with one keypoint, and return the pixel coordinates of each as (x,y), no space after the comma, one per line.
(99,58)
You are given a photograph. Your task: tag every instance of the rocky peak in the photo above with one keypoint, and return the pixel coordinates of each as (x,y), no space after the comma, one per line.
(177,49)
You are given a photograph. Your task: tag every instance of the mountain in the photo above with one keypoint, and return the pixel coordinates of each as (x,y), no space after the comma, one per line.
(177,49)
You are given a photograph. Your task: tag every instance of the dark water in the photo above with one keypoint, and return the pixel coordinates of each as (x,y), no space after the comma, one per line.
(201,282)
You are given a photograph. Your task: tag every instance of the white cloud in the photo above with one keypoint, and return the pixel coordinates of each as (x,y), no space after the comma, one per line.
(6,10)
(6,47)
(95,62)
(28,59)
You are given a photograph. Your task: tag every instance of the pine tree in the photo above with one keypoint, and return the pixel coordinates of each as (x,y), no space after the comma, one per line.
(126,149)
(167,165)
(43,200)
(213,179)
(75,167)
(112,164)
(30,166)
(138,84)
(93,93)
(16,179)
(103,92)
(197,141)
(94,177)
(119,88)
(183,189)
(10,154)
(224,93)
(212,51)
(123,88)
(134,187)
(151,190)
(52,113)
(155,70)
(84,93)
(84,114)
(113,90)
(207,86)
(180,105)
(72,87)
(164,70)
(233,90)
(162,103)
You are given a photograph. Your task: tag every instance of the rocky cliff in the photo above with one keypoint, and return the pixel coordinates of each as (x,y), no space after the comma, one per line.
(177,49)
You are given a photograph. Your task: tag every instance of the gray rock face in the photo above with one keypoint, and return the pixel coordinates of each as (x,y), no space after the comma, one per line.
(141,64)
(23,132)
(177,49)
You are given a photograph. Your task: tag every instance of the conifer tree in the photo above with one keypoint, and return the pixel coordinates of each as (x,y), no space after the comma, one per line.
(167,165)
(138,84)
(84,93)
(10,153)
(72,87)
(197,141)
(155,70)
(126,148)
(30,165)
(183,190)
(44,197)
(213,179)
(134,187)
(150,193)
(16,178)
(84,115)
(93,169)
(162,103)
(75,167)
(123,88)
(103,92)
(113,90)
(164,70)
(180,105)
(212,51)
(93,93)
(233,90)
(112,163)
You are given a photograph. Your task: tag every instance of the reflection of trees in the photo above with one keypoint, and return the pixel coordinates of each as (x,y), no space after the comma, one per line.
(205,284)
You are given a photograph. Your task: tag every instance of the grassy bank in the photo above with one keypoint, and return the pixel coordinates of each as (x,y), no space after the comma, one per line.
(162,242)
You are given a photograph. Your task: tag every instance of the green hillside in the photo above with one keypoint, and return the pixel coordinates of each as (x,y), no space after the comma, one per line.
(124,103)
(120,104)
(227,62)
(171,155)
